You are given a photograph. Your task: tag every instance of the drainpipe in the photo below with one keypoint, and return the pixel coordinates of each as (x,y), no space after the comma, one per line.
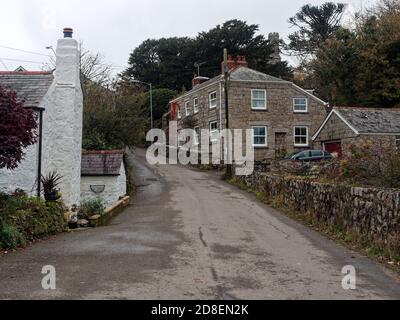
(220,114)
(39,167)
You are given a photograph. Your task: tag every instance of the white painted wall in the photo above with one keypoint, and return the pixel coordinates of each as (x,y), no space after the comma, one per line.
(24,177)
(62,131)
(115,188)
(62,124)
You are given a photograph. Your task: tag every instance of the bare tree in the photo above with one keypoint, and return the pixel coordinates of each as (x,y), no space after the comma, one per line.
(93,68)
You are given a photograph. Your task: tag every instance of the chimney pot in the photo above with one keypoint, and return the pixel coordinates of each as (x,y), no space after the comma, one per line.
(68,32)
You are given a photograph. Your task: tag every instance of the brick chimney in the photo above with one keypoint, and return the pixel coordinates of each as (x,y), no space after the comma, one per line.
(198,80)
(240,61)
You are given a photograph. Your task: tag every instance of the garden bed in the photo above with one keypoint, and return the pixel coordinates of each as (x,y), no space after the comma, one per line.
(26,219)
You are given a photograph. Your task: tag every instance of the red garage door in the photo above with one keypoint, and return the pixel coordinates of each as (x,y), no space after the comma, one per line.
(334,148)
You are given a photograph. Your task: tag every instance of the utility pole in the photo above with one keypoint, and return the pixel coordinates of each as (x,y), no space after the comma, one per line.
(226,87)
(151,105)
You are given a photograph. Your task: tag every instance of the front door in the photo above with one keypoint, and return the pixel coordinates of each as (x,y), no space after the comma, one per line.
(280,145)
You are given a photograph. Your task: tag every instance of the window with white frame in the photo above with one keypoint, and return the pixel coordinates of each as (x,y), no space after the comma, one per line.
(181,138)
(301,136)
(212,100)
(196,105)
(196,136)
(179,113)
(260,136)
(259,99)
(187,109)
(214,130)
(300,105)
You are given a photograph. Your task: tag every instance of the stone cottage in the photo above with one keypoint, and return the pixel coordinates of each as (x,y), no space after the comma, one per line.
(346,126)
(281,115)
(58,95)
(103,176)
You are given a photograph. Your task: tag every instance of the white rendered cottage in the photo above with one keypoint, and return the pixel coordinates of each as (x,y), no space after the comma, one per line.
(59,93)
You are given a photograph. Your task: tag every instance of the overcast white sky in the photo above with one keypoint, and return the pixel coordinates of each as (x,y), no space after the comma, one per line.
(115,27)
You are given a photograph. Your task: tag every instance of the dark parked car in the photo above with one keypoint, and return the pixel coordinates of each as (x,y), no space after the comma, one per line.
(310,155)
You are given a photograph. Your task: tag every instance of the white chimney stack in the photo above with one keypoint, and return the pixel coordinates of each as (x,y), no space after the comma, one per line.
(63,120)
(67,59)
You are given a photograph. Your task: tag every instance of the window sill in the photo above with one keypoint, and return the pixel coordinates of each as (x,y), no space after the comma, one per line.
(261,110)
(302,146)
(300,112)
(261,147)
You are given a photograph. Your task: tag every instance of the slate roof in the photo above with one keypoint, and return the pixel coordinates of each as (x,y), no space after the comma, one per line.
(29,86)
(367,121)
(238,74)
(208,82)
(247,74)
(102,163)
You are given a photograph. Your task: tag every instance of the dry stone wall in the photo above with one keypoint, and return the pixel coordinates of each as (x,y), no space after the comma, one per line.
(370,212)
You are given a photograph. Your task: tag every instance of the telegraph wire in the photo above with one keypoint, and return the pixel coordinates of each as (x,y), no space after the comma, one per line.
(25,51)
(17,60)
(4,65)
(44,55)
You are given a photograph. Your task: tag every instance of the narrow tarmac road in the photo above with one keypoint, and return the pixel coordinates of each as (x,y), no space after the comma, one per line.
(189,235)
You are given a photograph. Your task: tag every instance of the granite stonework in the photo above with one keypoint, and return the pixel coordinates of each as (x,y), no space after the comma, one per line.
(355,126)
(370,212)
(279,117)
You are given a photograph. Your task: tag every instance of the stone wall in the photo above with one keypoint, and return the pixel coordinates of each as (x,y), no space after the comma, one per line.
(369,212)
(336,130)
(279,117)
(205,115)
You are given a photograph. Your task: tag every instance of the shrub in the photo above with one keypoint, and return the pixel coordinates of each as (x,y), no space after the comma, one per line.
(18,129)
(24,219)
(373,163)
(10,237)
(91,208)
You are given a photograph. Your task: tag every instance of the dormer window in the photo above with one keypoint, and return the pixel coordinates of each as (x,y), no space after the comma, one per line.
(300,105)
(179,113)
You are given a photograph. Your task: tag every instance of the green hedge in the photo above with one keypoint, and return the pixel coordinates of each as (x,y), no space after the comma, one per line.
(24,219)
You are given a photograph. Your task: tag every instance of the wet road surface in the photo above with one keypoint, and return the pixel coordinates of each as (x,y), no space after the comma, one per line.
(189,235)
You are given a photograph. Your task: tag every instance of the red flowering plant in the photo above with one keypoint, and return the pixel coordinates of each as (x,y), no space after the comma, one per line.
(17,129)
